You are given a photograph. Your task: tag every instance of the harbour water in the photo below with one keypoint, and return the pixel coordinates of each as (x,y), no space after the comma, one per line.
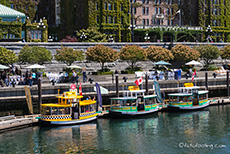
(206,131)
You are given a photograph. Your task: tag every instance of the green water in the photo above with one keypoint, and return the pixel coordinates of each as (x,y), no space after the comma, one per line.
(206,131)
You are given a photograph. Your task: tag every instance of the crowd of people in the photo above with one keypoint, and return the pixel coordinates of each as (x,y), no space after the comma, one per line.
(14,76)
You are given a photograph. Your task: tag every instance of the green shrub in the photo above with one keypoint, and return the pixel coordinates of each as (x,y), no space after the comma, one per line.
(36,40)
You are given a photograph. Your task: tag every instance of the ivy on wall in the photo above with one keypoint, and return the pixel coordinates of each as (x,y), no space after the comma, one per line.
(10,28)
(217,16)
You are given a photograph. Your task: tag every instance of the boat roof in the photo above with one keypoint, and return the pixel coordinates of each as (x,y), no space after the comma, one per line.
(70,97)
(203,92)
(194,87)
(87,102)
(150,96)
(135,91)
(124,98)
(180,94)
(56,105)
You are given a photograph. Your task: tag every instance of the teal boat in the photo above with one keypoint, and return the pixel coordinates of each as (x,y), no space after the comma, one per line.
(133,103)
(188,98)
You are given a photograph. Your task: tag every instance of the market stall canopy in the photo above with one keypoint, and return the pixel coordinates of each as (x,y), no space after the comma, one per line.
(3,67)
(161,63)
(74,66)
(193,62)
(36,66)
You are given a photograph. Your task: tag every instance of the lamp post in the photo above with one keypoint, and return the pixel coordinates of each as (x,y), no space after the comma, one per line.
(41,26)
(110,38)
(83,36)
(147,38)
(209,30)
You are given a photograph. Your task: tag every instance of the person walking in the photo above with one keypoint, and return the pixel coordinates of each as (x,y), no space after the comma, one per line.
(75,77)
(84,76)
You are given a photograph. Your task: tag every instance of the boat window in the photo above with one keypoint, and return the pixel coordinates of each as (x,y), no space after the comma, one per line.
(202,96)
(173,99)
(115,103)
(47,111)
(181,99)
(149,101)
(130,103)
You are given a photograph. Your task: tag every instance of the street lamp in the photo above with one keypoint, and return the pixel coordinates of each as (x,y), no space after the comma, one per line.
(50,39)
(147,38)
(83,36)
(41,26)
(110,38)
(209,30)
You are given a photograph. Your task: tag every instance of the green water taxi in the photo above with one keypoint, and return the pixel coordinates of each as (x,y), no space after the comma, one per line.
(188,98)
(69,110)
(133,103)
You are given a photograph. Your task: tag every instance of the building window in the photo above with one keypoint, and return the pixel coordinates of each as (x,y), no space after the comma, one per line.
(97,19)
(134,10)
(171,22)
(143,21)
(26,7)
(36,8)
(105,6)
(110,6)
(168,23)
(147,1)
(147,10)
(159,1)
(147,21)
(12,6)
(143,10)
(97,6)
(155,10)
(110,19)
(121,20)
(35,34)
(121,7)
(114,7)
(114,20)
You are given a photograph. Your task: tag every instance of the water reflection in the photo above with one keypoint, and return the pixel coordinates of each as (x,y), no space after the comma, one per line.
(159,133)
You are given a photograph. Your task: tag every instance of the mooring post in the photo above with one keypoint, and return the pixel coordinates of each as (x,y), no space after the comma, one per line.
(228,82)
(206,80)
(117,86)
(39,95)
(146,83)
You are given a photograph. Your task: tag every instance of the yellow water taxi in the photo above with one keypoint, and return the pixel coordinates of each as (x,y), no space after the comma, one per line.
(69,110)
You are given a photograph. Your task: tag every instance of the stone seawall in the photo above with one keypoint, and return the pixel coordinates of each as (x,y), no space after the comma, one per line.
(52,46)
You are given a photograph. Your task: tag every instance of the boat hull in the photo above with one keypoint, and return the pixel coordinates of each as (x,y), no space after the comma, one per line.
(70,122)
(188,108)
(122,114)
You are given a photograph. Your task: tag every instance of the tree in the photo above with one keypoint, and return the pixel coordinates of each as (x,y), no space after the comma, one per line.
(208,53)
(225,52)
(132,54)
(41,55)
(34,55)
(101,54)
(184,53)
(69,55)
(158,53)
(92,34)
(7,56)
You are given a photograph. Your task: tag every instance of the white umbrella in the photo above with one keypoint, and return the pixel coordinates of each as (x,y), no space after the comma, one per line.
(36,66)
(193,62)
(3,67)
(74,66)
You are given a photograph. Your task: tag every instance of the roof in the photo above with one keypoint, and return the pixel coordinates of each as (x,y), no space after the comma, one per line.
(8,12)
(180,94)
(55,105)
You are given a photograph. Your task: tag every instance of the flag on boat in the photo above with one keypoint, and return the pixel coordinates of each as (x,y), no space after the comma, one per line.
(193,75)
(80,89)
(99,98)
(139,81)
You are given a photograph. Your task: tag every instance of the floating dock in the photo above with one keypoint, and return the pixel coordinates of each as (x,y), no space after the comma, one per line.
(14,122)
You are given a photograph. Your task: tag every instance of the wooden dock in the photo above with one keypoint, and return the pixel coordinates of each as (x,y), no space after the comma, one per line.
(14,122)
